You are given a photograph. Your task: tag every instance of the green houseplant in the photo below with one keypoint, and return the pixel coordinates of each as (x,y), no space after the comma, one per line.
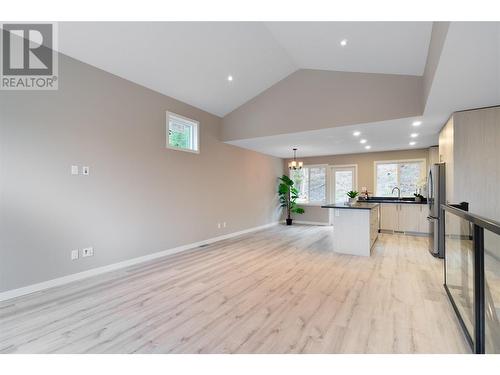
(288,196)
(352,196)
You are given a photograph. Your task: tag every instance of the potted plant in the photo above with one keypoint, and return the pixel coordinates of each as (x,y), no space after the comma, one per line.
(352,196)
(288,196)
(418,197)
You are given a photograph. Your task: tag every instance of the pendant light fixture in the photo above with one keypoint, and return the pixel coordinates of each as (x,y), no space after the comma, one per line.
(294,164)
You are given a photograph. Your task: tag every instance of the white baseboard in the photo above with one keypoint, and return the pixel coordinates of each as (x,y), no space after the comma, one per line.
(9,294)
(309,222)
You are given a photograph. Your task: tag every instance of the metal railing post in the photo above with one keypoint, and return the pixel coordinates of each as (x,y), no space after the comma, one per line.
(479,313)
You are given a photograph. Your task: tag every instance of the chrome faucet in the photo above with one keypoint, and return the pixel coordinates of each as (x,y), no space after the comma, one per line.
(399,192)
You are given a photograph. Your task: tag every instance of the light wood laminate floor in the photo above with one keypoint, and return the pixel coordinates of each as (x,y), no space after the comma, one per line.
(280,290)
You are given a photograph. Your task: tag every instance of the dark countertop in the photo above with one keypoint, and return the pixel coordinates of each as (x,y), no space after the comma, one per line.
(392,200)
(356,206)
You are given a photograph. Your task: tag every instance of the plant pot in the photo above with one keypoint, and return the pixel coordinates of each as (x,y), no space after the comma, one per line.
(352,200)
(418,199)
(289,221)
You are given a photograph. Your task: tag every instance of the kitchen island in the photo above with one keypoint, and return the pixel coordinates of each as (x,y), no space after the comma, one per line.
(355,227)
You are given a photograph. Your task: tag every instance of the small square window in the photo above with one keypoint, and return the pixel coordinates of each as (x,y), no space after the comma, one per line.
(182,133)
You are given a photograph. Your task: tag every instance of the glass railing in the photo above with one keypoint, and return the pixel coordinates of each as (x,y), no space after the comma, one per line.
(472,276)
(492,291)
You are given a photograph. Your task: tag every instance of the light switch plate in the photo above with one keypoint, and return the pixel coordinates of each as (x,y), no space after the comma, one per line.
(74,254)
(74,169)
(85,171)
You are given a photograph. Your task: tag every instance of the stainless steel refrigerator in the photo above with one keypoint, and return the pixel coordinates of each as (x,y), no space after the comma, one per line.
(436,195)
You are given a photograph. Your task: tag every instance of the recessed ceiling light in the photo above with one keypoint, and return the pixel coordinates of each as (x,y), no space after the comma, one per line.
(343,42)
(414,135)
(362,141)
(412,143)
(368,147)
(417,123)
(229,78)
(356,134)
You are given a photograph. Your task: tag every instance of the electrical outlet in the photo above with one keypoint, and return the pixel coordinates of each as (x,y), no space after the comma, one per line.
(85,170)
(74,170)
(218,225)
(74,254)
(88,252)
(224,224)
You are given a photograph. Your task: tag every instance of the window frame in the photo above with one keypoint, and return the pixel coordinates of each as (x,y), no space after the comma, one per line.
(327,187)
(423,169)
(195,132)
(331,178)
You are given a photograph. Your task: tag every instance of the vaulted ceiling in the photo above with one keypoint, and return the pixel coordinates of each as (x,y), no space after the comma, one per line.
(458,65)
(191,61)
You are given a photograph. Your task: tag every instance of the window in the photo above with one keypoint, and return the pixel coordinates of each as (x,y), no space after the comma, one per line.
(344,180)
(311,183)
(408,175)
(182,133)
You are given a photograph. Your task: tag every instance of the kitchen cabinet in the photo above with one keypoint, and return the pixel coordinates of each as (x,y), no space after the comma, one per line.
(408,217)
(389,216)
(404,217)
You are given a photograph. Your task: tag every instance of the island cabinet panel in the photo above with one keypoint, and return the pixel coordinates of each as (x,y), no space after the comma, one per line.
(355,228)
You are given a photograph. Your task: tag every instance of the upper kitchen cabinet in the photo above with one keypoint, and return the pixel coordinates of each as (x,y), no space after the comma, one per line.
(469,145)
(446,156)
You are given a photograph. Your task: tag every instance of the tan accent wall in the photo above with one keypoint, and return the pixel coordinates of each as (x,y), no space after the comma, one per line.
(316,99)
(366,173)
(139,198)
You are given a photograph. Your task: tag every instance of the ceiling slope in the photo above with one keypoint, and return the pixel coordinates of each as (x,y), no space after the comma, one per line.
(317,99)
(189,61)
(372,47)
(462,72)
(468,73)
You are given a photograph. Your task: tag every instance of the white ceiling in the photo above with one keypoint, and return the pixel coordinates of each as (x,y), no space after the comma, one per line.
(467,76)
(381,136)
(190,61)
(372,47)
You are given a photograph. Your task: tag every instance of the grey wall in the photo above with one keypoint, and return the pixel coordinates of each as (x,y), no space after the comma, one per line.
(140,197)
(316,99)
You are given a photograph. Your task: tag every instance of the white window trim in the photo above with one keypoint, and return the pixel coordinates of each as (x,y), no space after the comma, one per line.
(167,128)
(375,163)
(316,204)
